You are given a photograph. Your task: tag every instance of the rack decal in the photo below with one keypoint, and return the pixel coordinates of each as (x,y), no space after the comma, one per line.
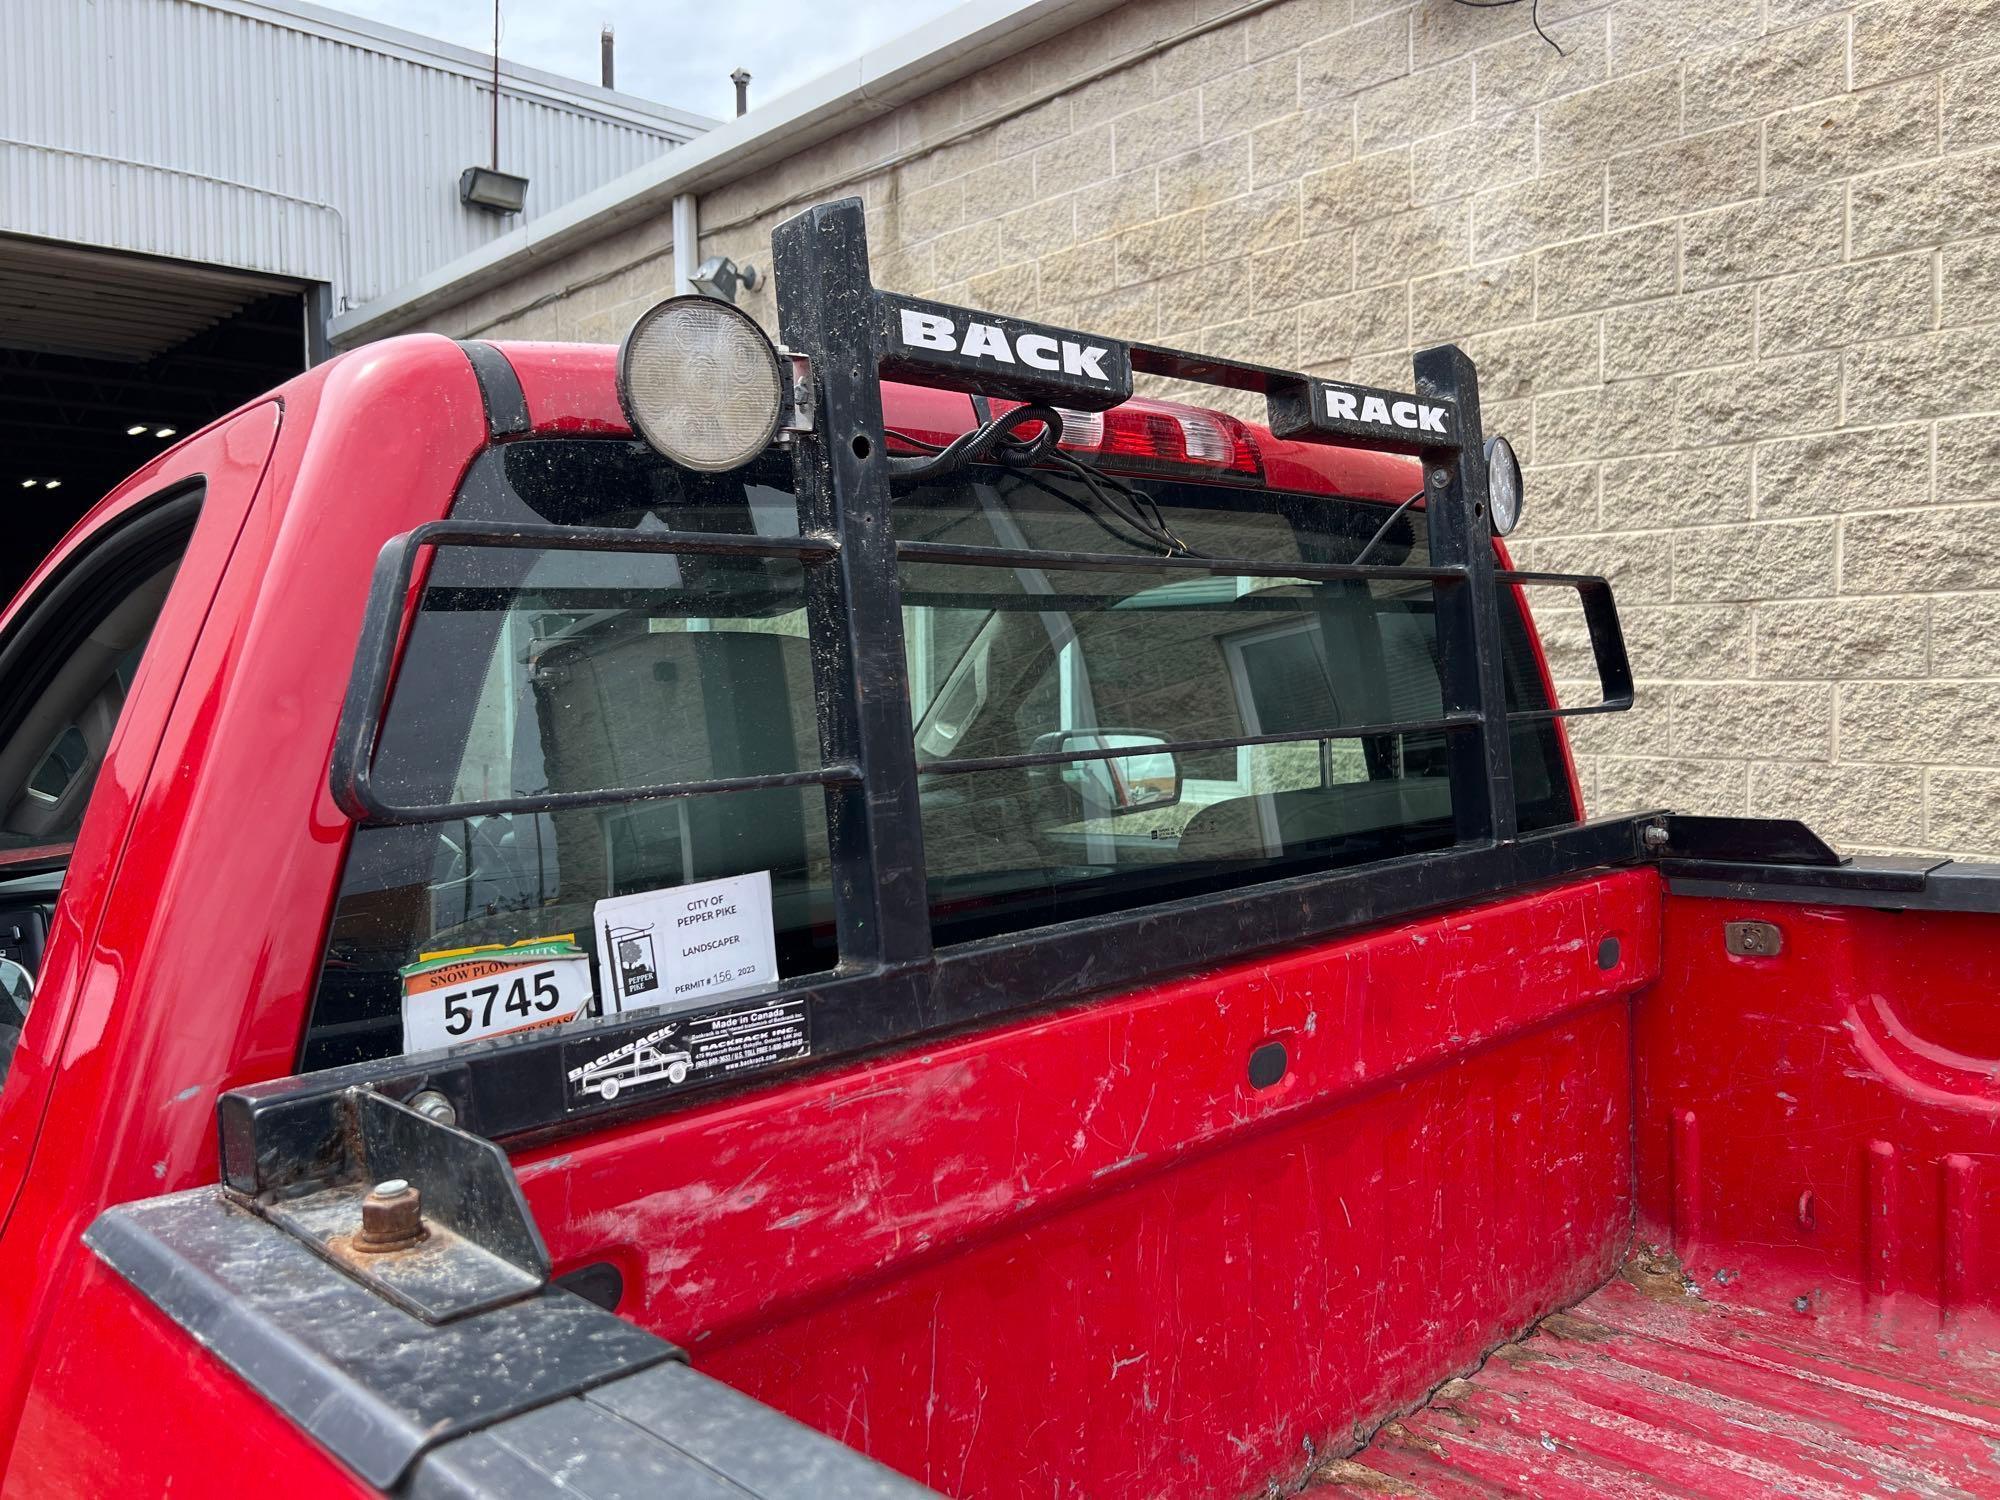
(975,351)
(1395,420)
(686,1051)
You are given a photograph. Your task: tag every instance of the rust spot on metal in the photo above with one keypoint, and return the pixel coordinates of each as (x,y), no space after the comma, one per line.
(1576,1330)
(1360,1478)
(1659,1274)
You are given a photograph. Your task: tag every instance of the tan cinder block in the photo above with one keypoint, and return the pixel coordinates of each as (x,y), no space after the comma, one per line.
(1356,323)
(1250,96)
(1515,363)
(1770,399)
(1640,565)
(1645,729)
(1642,34)
(1771,73)
(1075,161)
(1968,459)
(1557,206)
(1754,720)
(1208,174)
(1687,642)
(966,252)
(1291,148)
(1969,283)
(1848,804)
(1680,333)
(1963,809)
(1934,723)
(1629,265)
(1306,271)
(1939,374)
(1600,122)
(1919,552)
(1873,300)
(1832,639)
(1925,203)
(1113,95)
(1900,37)
(1701,487)
(1159,248)
(1766,237)
(1479,156)
(1011,289)
(1965,636)
(1430,238)
(1631,416)
(1761,560)
(1164,128)
(1293,24)
(1441,31)
(1126,200)
(1038,229)
(1713,788)
(1850,133)
(1460,302)
(1828,473)
(1369,188)
(1701,171)
(1525,71)
(1268,336)
(1423,104)
(1556,502)
(1256,221)
(1971,106)
(1192,63)
(1356,58)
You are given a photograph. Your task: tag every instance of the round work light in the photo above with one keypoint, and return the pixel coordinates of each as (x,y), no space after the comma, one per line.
(701,383)
(1503,485)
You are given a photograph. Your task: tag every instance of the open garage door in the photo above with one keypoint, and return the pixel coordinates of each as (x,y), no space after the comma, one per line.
(107,358)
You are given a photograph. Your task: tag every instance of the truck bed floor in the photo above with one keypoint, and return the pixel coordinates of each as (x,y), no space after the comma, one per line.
(1631,1393)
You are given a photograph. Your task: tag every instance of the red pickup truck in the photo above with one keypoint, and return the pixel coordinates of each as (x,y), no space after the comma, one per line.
(877,916)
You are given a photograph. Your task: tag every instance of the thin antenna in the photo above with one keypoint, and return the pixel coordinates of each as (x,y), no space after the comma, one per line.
(496,85)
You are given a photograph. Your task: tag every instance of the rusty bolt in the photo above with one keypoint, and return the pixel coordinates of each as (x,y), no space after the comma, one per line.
(392,1218)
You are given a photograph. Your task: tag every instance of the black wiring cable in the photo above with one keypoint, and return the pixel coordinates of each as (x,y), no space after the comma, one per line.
(1383,530)
(1133,508)
(1534,16)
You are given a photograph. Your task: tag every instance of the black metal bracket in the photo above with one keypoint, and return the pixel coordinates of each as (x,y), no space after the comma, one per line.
(479,1248)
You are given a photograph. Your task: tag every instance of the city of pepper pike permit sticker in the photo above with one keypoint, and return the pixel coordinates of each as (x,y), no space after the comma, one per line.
(469,994)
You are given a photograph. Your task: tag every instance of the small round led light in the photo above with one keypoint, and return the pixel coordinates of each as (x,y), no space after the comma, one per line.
(700,382)
(1503,485)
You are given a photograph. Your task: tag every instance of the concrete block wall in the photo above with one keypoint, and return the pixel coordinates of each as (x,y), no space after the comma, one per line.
(1730,270)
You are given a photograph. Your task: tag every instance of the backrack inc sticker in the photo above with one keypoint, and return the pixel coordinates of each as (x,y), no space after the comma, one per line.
(469,994)
(687,1050)
(686,945)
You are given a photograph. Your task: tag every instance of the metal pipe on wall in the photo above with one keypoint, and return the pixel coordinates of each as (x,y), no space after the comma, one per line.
(687,242)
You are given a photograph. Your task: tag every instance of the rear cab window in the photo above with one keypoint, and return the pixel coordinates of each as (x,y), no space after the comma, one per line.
(533,672)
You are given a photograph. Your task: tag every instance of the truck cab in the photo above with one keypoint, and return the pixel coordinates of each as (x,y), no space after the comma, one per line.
(879,914)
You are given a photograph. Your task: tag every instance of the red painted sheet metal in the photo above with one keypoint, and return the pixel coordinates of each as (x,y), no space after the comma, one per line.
(1647,1389)
(1821,1129)
(1082,1256)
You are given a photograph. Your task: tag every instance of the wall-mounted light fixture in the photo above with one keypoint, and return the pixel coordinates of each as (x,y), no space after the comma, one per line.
(484,187)
(719,277)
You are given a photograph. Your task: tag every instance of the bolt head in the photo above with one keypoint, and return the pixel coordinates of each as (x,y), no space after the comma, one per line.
(1655,836)
(392,1218)
(433,1105)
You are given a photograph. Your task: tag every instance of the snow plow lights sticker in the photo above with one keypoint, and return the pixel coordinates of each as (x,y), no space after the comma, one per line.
(962,350)
(686,1051)
(1392,420)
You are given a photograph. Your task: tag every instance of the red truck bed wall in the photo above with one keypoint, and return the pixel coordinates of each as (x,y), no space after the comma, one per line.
(1083,1255)
(1819,1129)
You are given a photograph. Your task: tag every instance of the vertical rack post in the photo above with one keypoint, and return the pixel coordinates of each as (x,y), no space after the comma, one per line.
(1468,614)
(854,603)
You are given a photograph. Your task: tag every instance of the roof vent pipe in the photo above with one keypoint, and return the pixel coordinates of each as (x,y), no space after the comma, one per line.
(605,44)
(741,78)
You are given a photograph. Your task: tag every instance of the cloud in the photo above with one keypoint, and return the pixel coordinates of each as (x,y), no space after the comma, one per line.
(679,53)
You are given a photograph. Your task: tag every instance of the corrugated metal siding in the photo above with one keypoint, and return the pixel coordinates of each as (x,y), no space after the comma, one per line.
(171,128)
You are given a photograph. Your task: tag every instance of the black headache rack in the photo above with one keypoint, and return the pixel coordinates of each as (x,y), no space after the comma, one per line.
(382,1356)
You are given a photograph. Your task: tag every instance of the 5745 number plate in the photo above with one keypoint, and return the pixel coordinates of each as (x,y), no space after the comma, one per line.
(468,996)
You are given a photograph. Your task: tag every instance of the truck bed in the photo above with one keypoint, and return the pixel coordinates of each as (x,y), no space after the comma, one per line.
(1652,1387)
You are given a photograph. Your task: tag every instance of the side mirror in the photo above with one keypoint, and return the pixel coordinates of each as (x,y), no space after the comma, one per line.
(1149,778)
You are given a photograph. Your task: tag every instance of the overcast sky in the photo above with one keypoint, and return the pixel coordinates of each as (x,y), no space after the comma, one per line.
(676,52)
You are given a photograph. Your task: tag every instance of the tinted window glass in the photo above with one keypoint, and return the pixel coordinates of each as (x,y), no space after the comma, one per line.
(535,672)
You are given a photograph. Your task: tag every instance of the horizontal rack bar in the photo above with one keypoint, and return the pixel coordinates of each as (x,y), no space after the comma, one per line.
(620,539)
(1448,723)
(843,772)
(1223,567)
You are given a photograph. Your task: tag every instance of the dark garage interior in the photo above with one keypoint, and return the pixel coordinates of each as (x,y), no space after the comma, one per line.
(108,358)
